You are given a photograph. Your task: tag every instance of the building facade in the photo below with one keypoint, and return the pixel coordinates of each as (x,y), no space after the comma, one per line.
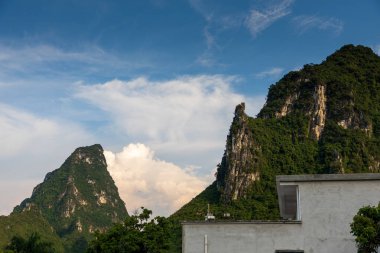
(316,213)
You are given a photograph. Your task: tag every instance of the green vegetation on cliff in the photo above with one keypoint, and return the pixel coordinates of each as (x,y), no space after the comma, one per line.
(31,244)
(137,234)
(324,118)
(23,225)
(73,202)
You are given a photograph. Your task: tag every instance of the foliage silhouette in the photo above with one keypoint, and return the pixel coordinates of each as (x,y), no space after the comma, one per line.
(33,244)
(138,234)
(366,228)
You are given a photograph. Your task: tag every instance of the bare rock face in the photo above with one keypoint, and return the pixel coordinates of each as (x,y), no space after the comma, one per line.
(375,165)
(287,107)
(238,170)
(355,120)
(318,111)
(318,115)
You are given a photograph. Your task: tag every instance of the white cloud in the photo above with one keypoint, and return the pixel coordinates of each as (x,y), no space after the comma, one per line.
(144,180)
(30,147)
(20,190)
(272,73)
(259,20)
(304,23)
(210,39)
(376,49)
(200,7)
(42,61)
(185,120)
(21,132)
(217,23)
(206,59)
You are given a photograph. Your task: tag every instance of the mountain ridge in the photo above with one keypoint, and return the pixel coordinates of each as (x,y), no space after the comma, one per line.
(78,198)
(324,118)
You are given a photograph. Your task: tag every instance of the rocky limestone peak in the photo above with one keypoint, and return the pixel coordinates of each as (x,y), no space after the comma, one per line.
(88,155)
(238,170)
(318,113)
(79,197)
(315,106)
(287,107)
(330,91)
(324,118)
(240,111)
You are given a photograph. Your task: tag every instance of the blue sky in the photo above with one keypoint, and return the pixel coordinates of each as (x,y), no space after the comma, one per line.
(155,82)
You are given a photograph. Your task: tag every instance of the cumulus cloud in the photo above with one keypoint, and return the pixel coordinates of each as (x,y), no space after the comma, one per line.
(304,23)
(185,119)
(259,20)
(271,73)
(30,147)
(144,180)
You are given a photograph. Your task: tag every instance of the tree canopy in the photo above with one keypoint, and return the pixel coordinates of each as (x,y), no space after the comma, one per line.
(138,234)
(33,244)
(366,228)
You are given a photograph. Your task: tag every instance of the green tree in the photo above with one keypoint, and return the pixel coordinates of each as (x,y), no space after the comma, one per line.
(138,234)
(366,228)
(33,244)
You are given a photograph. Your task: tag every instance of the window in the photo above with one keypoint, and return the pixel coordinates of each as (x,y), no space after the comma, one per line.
(289,202)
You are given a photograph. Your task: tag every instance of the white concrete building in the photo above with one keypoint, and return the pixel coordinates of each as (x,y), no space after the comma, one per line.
(316,209)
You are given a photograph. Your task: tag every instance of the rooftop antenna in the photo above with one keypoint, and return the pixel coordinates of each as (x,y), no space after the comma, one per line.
(209,215)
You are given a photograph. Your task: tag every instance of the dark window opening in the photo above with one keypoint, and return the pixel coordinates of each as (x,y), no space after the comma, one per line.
(289,199)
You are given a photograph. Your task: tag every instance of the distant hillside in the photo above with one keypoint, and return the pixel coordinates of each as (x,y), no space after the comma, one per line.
(324,118)
(24,224)
(71,203)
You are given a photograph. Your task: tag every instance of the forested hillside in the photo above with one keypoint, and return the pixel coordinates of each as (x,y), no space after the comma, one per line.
(324,118)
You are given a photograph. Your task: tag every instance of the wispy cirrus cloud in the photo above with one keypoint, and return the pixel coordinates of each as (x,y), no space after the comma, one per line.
(218,24)
(260,19)
(48,61)
(206,59)
(271,73)
(305,23)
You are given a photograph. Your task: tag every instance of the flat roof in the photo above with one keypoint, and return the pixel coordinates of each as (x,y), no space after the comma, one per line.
(235,222)
(328,177)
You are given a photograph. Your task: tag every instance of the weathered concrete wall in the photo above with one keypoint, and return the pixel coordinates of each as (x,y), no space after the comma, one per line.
(327,209)
(240,237)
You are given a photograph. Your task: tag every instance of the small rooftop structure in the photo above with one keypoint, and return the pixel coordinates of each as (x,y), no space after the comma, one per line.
(209,215)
